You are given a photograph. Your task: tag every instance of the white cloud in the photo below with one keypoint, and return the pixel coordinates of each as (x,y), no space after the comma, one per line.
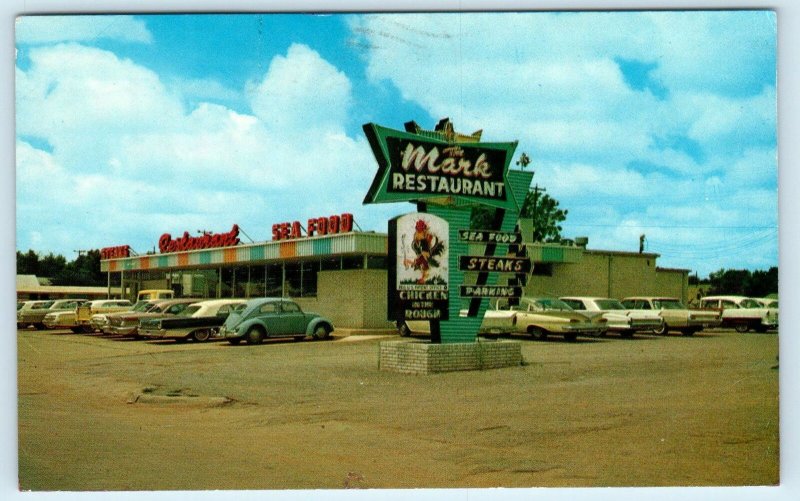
(128,163)
(51,29)
(301,93)
(690,143)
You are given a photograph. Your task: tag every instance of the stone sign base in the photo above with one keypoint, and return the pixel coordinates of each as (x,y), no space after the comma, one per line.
(417,357)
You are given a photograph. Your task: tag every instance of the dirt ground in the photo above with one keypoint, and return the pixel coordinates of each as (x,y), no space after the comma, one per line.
(108,414)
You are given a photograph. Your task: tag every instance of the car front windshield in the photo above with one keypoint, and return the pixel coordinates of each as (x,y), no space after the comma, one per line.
(609,304)
(669,304)
(142,306)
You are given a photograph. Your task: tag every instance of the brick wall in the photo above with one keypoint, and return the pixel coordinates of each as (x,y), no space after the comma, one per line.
(353,298)
(415,357)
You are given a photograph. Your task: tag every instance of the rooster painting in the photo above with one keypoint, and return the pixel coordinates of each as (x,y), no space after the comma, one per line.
(427,247)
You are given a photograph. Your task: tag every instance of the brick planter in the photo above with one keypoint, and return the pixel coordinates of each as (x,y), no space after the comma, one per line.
(416,357)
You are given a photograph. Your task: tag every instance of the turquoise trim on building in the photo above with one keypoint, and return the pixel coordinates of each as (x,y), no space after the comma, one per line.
(256,253)
(321,247)
(163,261)
(205,257)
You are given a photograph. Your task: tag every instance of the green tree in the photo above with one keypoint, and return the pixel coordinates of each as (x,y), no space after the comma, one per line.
(757,283)
(51,265)
(546,215)
(27,263)
(542,208)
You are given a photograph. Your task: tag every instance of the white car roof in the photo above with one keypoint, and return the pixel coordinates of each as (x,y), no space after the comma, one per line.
(728,298)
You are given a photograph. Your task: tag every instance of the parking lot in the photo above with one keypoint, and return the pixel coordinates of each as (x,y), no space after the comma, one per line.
(98,413)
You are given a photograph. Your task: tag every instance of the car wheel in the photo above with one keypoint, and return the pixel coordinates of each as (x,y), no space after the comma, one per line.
(626,334)
(537,333)
(87,329)
(571,337)
(321,332)
(38,326)
(76,330)
(201,336)
(234,340)
(761,329)
(688,332)
(254,336)
(404,330)
(663,330)
(742,328)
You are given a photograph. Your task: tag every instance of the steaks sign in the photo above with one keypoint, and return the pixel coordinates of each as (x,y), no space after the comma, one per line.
(520,265)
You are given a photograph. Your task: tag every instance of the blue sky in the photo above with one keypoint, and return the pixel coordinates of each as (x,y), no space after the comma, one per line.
(655,123)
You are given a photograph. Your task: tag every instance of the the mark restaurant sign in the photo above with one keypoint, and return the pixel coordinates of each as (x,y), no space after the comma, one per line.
(186,242)
(413,167)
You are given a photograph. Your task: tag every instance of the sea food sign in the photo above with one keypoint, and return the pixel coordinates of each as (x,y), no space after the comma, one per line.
(415,167)
(419,255)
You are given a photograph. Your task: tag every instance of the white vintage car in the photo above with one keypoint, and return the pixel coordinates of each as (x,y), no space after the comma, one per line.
(675,314)
(541,317)
(29,309)
(621,320)
(199,321)
(742,313)
(77,320)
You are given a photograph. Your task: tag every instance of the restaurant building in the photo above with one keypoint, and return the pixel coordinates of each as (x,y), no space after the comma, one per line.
(342,273)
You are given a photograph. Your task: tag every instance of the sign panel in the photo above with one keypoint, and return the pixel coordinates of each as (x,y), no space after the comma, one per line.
(496,264)
(421,167)
(489,236)
(418,267)
(316,226)
(207,241)
(491,291)
(415,167)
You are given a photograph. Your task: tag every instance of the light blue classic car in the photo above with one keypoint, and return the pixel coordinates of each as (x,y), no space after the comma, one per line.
(273,317)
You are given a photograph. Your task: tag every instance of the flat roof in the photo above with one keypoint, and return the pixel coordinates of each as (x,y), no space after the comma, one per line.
(340,244)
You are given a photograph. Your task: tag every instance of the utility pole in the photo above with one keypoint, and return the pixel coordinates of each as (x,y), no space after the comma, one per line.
(536,190)
(641,243)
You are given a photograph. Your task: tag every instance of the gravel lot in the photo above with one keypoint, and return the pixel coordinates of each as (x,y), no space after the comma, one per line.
(99,413)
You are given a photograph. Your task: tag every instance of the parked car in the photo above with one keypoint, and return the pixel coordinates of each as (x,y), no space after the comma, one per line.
(541,317)
(273,317)
(127,323)
(77,320)
(766,302)
(619,319)
(675,314)
(742,313)
(98,321)
(199,321)
(31,309)
(155,294)
(36,316)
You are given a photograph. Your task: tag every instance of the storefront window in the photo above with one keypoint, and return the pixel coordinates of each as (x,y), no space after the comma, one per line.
(241,282)
(309,278)
(273,280)
(293,283)
(377,262)
(352,262)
